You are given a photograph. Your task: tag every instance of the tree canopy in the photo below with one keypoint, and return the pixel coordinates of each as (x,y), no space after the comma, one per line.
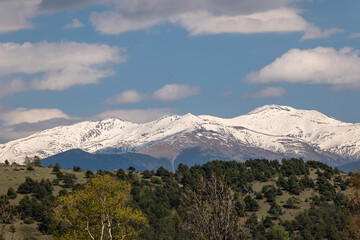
(99,211)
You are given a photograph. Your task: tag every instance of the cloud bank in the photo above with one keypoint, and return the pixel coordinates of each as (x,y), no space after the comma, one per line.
(22,122)
(197,17)
(338,68)
(16,15)
(207,17)
(54,66)
(24,115)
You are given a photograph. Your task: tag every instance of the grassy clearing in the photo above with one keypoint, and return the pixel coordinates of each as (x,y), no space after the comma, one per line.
(14,176)
(304,198)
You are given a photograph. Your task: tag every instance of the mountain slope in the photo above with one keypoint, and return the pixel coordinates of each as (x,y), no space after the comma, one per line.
(270,131)
(77,157)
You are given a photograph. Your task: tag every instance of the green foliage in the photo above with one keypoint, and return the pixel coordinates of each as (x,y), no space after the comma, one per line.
(251,205)
(38,189)
(76,169)
(293,185)
(294,166)
(131,169)
(7,212)
(11,193)
(159,196)
(30,168)
(36,161)
(89,174)
(269,192)
(277,232)
(292,203)
(147,174)
(99,211)
(63,192)
(56,168)
(323,222)
(268,222)
(275,210)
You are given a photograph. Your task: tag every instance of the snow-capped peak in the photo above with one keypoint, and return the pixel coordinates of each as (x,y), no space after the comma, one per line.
(272,107)
(279,129)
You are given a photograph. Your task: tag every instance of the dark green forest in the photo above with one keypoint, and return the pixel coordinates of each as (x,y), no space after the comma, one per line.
(256,199)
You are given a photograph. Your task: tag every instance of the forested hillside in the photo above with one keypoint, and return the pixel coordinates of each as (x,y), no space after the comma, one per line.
(257,199)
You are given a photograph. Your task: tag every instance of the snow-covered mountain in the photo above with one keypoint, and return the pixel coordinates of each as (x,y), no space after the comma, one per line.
(270,131)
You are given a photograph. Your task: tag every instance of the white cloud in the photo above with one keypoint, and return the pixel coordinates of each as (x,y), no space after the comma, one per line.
(24,115)
(277,20)
(126,97)
(313,31)
(174,92)
(354,35)
(74,24)
(168,93)
(8,87)
(56,5)
(198,17)
(136,115)
(114,23)
(207,17)
(338,68)
(266,93)
(57,66)
(16,15)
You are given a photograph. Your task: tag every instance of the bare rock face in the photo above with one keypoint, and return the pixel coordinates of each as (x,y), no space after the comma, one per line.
(271,132)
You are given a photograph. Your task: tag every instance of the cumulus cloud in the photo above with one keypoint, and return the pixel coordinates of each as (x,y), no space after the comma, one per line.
(338,68)
(174,92)
(56,5)
(55,66)
(11,130)
(277,20)
(8,87)
(207,17)
(115,23)
(267,93)
(126,97)
(168,93)
(16,15)
(24,115)
(136,115)
(198,17)
(74,24)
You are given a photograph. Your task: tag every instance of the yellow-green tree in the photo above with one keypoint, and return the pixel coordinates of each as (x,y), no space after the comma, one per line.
(99,211)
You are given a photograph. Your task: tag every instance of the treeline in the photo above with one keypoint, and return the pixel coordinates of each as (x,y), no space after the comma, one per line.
(217,200)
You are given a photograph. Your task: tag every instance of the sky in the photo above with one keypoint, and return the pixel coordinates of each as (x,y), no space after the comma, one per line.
(67,61)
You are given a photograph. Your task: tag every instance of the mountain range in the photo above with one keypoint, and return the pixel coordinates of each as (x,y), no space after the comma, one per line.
(271,131)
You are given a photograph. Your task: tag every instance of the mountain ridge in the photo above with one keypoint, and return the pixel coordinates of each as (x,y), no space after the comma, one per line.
(266,132)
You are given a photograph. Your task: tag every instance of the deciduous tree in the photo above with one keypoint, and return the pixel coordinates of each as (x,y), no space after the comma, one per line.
(210,211)
(99,211)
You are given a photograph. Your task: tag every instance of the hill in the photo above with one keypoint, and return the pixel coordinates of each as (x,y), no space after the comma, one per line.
(302,197)
(109,162)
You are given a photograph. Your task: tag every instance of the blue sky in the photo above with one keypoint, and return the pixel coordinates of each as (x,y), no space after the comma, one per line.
(67,61)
